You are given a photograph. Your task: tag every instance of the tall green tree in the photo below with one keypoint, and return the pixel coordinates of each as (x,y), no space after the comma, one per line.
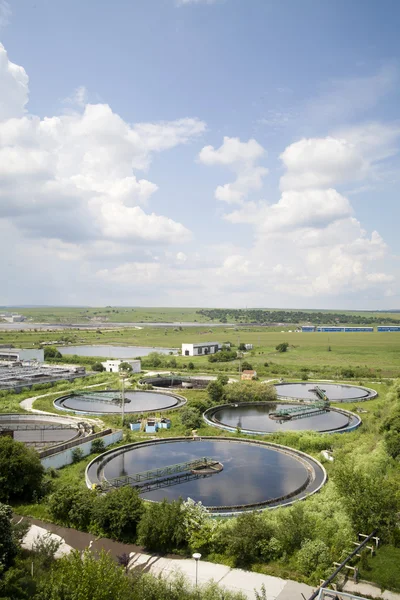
(21,472)
(118,513)
(8,547)
(162,527)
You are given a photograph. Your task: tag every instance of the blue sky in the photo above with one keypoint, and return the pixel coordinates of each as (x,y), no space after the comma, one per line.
(200,152)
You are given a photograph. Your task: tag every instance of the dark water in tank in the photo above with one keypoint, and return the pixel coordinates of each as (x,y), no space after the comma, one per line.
(139,402)
(256,418)
(251,473)
(334,391)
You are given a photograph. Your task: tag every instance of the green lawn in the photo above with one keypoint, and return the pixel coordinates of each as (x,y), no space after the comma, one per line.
(384,568)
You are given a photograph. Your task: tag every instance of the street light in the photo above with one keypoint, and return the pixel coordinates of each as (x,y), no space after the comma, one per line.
(197,557)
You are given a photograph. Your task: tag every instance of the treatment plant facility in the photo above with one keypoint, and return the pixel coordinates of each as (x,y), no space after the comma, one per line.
(15,375)
(334,392)
(41,431)
(261,418)
(228,475)
(114,401)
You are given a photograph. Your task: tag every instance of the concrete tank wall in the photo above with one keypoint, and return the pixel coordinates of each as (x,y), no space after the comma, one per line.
(61,459)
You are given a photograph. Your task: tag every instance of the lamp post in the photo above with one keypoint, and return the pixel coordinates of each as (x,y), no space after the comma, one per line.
(197,557)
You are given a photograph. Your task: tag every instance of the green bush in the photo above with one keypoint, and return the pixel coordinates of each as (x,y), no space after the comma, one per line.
(97,446)
(21,472)
(77,455)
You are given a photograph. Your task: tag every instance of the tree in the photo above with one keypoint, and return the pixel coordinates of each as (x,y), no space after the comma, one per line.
(282,347)
(190,366)
(222,379)
(191,417)
(246,366)
(51,352)
(8,547)
(314,557)
(21,472)
(249,391)
(87,578)
(97,366)
(216,392)
(371,500)
(247,537)
(72,506)
(162,527)
(118,513)
(125,366)
(97,446)
(242,347)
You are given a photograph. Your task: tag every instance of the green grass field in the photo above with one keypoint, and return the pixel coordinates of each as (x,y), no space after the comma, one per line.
(379,353)
(121,314)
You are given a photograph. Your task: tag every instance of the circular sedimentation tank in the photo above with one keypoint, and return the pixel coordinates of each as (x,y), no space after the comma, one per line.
(39,431)
(336,392)
(109,402)
(255,474)
(262,418)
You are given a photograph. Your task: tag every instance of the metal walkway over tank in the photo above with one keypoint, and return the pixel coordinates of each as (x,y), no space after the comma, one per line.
(311,409)
(103,397)
(166,476)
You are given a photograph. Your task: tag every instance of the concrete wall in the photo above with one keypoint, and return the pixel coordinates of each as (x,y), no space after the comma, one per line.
(61,459)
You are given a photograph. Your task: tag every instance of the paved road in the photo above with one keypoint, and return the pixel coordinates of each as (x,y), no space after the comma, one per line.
(232,579)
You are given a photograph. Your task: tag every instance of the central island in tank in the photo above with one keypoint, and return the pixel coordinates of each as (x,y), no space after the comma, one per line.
(255,474)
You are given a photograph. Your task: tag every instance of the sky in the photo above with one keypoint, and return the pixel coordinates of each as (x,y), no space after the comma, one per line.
(205,153)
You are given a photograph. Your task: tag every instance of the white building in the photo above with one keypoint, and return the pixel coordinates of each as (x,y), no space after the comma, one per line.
(200,349)
(12,318)
(112,366)
(22,354)
(248,346)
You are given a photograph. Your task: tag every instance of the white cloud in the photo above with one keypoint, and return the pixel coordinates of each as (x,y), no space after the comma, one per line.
(321,162)
(241,157)
(13,86)
(78,98)
(70,177)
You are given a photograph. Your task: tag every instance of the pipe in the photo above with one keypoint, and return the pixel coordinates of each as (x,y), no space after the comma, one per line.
(342,564)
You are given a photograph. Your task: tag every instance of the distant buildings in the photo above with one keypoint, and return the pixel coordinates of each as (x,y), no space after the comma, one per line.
(248,374)
(335,329)
(11,317)
(112,366)
(201,349)
(248,346)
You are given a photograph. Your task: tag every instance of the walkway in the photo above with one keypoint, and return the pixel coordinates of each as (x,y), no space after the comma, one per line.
(232,579)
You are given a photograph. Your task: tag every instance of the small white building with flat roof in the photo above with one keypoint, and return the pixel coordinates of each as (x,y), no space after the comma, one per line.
(112,366)
(200,349)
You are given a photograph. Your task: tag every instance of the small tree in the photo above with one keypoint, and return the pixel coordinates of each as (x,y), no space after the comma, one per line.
(97,366)
(51,352)
(191,417)
(282,347)
(125,366)
(190,366)
(77,455)
(8,548)
(246,366)
(216,392)
(97,446)
(21,472)
(118,513)
(162,527)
